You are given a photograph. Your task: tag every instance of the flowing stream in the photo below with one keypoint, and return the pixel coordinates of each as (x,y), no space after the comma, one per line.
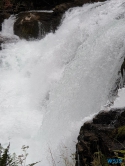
(49,87)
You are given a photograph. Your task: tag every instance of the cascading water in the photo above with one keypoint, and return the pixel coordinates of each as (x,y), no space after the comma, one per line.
(49,86)
(41,30)
(7,27)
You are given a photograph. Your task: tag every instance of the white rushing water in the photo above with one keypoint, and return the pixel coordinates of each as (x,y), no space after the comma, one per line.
(120,100)
(49,87)
(7,27)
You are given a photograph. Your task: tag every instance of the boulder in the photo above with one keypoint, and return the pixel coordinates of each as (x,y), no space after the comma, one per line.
(101,139)
(33,25)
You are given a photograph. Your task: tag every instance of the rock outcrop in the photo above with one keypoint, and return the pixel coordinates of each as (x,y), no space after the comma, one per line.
(35,24)
(101,139)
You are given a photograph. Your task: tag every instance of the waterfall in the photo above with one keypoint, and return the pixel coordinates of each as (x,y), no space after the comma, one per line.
(48,88)
(7,27)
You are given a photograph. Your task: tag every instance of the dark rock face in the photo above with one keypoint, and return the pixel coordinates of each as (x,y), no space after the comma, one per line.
(101,139)
(34,24)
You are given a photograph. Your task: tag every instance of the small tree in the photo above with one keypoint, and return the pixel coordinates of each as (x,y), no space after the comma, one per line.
(7,159)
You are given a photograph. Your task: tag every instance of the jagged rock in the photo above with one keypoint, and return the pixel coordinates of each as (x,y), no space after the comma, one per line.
(102,138)
(32,24)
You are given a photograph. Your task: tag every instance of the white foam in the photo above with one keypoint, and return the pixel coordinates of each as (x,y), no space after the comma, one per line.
(49,86)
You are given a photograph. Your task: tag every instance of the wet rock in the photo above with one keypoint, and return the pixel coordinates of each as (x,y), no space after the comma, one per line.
(102,138)
(35,24)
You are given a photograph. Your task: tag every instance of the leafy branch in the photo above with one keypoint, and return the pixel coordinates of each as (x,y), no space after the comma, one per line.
(6,159)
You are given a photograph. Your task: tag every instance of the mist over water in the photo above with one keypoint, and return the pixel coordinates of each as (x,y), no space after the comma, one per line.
(48,86)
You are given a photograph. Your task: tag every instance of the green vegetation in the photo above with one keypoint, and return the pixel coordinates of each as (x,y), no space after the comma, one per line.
(6,159)
(120,133)
(120,154)
(99,159)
